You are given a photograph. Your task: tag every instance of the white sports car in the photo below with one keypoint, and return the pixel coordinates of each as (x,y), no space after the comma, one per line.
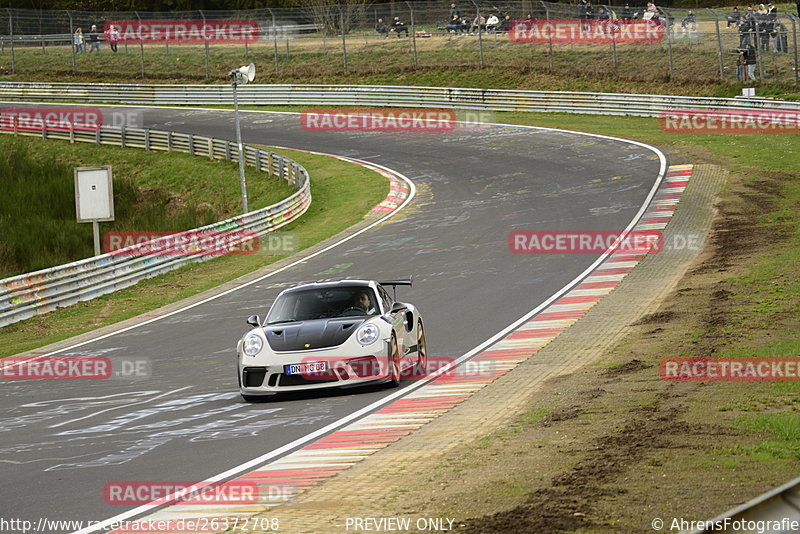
(331,334)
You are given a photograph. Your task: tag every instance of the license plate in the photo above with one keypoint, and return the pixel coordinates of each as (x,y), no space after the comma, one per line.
(305,368)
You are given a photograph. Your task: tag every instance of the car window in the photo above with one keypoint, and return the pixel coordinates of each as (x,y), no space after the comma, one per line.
(387,299)
(323,303)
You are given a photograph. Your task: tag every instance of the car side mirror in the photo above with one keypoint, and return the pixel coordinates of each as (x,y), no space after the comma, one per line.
(398,307)
(254,321)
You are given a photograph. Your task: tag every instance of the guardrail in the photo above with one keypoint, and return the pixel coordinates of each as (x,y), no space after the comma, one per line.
(43,291)
(773,513)
(380,95)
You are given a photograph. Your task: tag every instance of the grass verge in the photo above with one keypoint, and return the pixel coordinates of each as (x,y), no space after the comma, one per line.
(152,192)
(342,194)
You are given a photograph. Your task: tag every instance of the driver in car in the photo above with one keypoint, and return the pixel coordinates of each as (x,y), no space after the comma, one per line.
(362,302)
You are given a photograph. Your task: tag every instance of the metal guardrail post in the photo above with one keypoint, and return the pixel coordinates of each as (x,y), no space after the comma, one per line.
(141,47)
(719,44)
(205,39)
(413,33)
(344,42)
(274,39)
(11,38)
(550,39)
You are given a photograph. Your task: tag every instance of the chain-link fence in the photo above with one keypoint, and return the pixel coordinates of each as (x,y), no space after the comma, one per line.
(700,45)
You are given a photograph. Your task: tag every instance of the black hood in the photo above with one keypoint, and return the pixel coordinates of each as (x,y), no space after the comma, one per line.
(315,334)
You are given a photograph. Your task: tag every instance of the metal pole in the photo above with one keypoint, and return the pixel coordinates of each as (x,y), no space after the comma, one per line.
(344,43)
(550,38)
(794,38)
(614,50)
(669,42)
(205,39)
(413,34)
(239,143)
(72,40)
(11,36)
(141,47)
(96,235)
(480,35)
(719,44)
(274,39)
(758,52)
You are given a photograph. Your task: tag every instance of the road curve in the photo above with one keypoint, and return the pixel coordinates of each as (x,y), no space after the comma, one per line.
(60,442)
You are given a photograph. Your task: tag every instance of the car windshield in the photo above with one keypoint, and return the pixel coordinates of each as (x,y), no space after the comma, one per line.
(323,303)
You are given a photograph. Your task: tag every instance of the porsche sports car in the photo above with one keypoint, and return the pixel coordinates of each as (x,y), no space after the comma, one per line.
(331,334)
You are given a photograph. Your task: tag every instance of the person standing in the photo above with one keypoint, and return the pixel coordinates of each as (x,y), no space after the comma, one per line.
(94,39)
(454,12)
(113,38)
(77,40)
(750,61)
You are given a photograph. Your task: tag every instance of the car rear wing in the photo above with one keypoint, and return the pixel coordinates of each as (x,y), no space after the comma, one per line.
(402,282)
(395,283)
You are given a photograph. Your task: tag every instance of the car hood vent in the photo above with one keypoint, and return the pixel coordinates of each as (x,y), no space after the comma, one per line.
(309,335)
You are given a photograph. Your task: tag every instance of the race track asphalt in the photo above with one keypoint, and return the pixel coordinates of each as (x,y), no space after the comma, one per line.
(61,441)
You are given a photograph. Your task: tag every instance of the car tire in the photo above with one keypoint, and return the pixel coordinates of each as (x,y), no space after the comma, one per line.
(422,349)
(394,364)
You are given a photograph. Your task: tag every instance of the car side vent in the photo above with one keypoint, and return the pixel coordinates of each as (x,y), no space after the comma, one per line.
(278,332)
(347,326)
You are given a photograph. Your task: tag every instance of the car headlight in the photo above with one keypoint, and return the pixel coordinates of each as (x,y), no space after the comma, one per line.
(252,345)
(367,334)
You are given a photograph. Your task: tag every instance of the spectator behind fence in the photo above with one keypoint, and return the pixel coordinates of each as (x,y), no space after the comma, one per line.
(112,36)
(588,11)
(689,22)
(505,24)
(399,27)
(94,39)
(734,18)
(478,23)
(741,66)
(77,40)
(746,29)
(454,12)
(750,61)
(382,28)
(454,26)
(492,22)
(602,14)
(627,13)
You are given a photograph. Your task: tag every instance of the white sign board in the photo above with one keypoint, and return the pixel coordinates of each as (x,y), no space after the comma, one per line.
(94,194)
